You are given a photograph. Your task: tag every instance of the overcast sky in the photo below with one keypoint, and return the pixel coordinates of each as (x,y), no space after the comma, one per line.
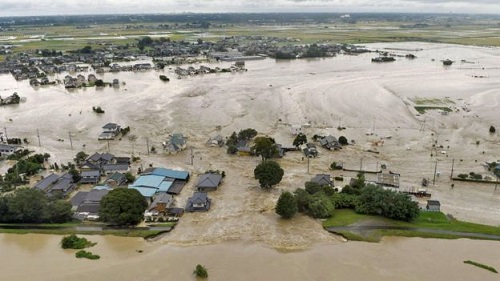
(67,7)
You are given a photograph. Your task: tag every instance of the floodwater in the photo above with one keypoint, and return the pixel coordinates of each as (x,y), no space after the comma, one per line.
(241,232)
(39,257)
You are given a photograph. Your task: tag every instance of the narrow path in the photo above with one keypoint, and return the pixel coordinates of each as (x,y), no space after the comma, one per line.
(418,229)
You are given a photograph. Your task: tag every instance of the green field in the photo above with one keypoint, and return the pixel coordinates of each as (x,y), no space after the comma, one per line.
(426,220)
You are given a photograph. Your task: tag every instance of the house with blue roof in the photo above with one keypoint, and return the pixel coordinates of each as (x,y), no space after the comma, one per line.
(149,184)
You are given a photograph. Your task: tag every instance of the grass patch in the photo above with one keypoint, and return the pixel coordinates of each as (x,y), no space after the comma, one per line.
(423,109)
(481,266)
(119,232)
(438,220)
(432,101)
(425,220)
(88,255)
(345,217)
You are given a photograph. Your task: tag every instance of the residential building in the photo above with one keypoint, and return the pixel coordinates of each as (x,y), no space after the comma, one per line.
(208,182)
(199,202)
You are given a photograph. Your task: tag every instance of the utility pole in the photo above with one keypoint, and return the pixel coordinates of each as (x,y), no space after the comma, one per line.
(6,137)
(70,140)
(361,164)
(192,156)
(452,165)
(38,136)
(147,144)
(435,169)
(376,169)
(308,159)
(108,145)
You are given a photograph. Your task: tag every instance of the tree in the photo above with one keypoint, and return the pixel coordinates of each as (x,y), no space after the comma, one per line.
(99,83)
(27,205)
(343,140)
(130,178)
(247,134)
(299,140)
(320,206)
(265,147)
(268,173)
(286,206)
(80,157)
(59,211)
(123,206)
(492,129)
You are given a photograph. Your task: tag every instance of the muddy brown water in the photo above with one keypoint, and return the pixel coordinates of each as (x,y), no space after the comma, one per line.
(39,257)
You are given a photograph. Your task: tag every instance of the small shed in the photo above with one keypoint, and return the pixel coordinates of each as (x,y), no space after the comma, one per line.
(433,206)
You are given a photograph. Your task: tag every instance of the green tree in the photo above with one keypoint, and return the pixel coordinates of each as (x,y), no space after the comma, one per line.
(247,134)
(299,140)
(80,157)
(303,198)
(27,205)
(123,206)
(320,206)
(343,140)
(286,206)
(268,173)
(130,178)
(492,129)
(59,211)
(265,147)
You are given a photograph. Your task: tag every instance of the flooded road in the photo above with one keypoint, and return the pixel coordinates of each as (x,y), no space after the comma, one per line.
(39,257)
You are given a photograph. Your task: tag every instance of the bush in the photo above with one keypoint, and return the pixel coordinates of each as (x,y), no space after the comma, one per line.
(88,255)
(463,176)
(492,129)
(200,271)
(164,78)
(74,242)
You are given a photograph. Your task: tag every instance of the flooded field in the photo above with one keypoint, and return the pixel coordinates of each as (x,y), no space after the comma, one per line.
(39,257)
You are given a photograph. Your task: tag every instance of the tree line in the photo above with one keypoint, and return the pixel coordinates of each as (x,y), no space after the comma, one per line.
(28,205)
(320,201)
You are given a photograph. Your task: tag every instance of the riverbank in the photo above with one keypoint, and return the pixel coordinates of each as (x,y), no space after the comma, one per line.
(367,228)
(87,229)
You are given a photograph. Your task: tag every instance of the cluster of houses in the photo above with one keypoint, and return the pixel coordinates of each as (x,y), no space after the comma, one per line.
(237,67)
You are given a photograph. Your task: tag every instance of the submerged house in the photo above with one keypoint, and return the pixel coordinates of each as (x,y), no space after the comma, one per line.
(322,179)
(175,143)
(88,204)
(199,202)
(208,182)
(433,206)
(110,131)
(159,207)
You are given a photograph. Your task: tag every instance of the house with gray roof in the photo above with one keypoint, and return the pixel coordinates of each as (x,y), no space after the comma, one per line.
(175,143)
(110,131)
(199,202)
(7,149)
(208,182)
(433,206)
(91,176)
(159,206)
(330,142)
(52,184)
(322,179)
(113,168)
(89,207)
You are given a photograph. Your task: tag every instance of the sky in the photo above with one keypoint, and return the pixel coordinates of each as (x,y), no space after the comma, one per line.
(73,7)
